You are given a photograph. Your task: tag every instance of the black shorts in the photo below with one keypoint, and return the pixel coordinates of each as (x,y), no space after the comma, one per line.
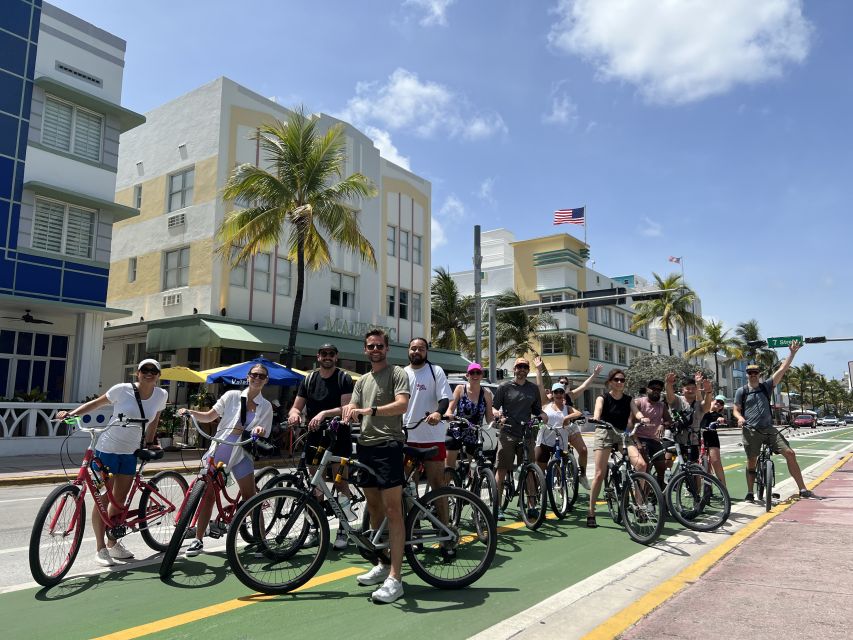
(711,438)
(343,443)
(652,446)
(386,460)
(692,451)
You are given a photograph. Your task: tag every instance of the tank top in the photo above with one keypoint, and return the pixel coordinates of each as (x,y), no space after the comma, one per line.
(616,412)
(469,410)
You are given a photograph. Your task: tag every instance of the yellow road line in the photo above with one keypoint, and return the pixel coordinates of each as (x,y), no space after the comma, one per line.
(733,466)
(635,612)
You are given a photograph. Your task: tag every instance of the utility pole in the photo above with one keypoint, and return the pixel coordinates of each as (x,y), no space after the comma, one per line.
(478,311)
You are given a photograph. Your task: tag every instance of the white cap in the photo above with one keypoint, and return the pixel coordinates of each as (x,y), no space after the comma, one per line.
(149,361)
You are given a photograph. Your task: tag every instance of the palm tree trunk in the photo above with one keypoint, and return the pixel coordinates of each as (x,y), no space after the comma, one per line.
(297,305)
(717,368)
(669,338)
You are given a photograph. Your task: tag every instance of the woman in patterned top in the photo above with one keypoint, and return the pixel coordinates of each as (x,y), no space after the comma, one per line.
(464,405)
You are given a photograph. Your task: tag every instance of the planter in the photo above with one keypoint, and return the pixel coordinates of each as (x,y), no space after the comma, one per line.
(165,442)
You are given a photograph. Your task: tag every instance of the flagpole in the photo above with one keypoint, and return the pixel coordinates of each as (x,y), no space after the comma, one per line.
(585,223)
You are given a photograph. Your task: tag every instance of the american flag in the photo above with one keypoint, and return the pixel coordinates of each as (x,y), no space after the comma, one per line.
(675,260)
(569,216)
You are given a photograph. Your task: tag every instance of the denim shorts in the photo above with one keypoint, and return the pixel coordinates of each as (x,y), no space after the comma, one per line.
(123,464)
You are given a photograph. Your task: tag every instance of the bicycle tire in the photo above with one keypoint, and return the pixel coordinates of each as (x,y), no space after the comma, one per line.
(768,484)
(533,515)
(486,488)
(264,475)
(187,512)
(759,478)
(277,563)
(643,522)
(41,563)
(452,478)
(557,484)
(157,531)
(459,562)
(701,506)
(612,493)
(573,472)
(290,481)
(507,491)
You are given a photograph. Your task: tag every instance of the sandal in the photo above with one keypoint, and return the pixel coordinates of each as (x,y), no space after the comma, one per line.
(590,522)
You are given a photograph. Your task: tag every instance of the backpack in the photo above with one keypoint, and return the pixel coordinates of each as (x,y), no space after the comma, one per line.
(745,393)
(313,380)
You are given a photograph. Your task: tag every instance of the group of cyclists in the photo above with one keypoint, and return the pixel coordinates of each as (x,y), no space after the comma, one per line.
(413,406)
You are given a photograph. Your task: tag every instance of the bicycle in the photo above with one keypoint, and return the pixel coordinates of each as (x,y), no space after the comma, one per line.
(531,489)
(765,474)
(474,472)
(633,497)
(58,528)
(213,478)
(694,497)
(562,477)
(446,556)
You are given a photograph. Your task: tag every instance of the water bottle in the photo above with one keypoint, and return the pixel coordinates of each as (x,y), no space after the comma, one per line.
(346,506)
(667,475)
(96,472)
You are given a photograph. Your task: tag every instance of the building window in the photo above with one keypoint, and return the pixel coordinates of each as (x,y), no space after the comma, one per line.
(391,293)
(416,249)
(30,359)
(137,196)
(608,352)
(70,128)
(404,304)
(177,268)
(551,344)
(131,269)
(634,355)
(592,314)
(604,314)
(343,290)
(63,228)
(621,355)
(620,320)
(416,307)
(237,277)
(593,349)
(282,276)
(572,344)
(392,240)
(181,189)
(404,244)
(261,278)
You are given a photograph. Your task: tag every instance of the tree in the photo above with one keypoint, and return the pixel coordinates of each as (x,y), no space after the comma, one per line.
(451,313)
(670,310)
(655,367)
(519,332)
(749,332)
(803,380)
(714,341)
(302,194)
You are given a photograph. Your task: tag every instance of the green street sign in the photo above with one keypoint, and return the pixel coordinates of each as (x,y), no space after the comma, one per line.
(784,341)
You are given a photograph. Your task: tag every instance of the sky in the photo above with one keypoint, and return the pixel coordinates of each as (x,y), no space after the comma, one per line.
(713,130)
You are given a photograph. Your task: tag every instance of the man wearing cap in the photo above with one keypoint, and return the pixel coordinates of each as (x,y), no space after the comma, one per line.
(517,400)
(651,428)
(753,413)
(321,395)
(716,417)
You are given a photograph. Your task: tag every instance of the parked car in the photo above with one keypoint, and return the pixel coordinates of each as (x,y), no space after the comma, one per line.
(804,420)
(829,421)
(848,419)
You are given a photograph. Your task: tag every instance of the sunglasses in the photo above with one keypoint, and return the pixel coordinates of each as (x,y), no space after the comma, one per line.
(752,373)
(622,380)
(522,366)
(149,371)
(327,354)
(374,347)
(558,392)
(258,376)
(475,372)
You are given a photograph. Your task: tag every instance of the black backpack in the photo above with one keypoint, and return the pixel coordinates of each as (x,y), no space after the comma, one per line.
(745,393)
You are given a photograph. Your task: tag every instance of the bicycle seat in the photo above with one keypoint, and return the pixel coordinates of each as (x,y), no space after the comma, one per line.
(419,454)
(147,455)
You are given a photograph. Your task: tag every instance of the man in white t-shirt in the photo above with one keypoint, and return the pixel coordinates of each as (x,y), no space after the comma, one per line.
(428,403)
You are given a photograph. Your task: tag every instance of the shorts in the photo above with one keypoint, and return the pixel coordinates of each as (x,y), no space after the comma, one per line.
(692,452)
(123,464)
(711,438)
(343,443)
(754,438)
(386,460)
(240,470)
(652,447)
(509,450)
(544,453)
(440,456)
(606,438)
(571,429)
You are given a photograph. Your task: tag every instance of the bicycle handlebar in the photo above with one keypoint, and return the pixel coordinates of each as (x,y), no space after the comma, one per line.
(213,438)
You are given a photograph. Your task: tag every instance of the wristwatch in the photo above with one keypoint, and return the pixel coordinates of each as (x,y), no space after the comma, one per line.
(373,411)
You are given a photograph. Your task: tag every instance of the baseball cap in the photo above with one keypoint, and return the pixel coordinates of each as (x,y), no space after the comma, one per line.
(150,361)
(474,367)
(721,398)
(557,387)
(327,345)
(522,361)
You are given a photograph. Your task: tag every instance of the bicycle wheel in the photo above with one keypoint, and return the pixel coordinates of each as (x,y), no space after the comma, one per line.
(643,508)
(612,490)
(56,535)
(486,488)
(452,478)
(768,484)
(558,488)
(276,561)
(573,475)
(161,510)
(186,513)
(532,496)
(450,556)
(264,475)
(698,501)
(759,478)
(507,491)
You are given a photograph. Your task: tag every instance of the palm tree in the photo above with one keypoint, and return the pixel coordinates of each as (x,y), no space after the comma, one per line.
(714,341)
(519,332)
(670,310)
(803,379)
(749,332)
(303,193)
(451,313)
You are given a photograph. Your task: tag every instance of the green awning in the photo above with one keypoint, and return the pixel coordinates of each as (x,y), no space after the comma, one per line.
(127,119)
(117,211)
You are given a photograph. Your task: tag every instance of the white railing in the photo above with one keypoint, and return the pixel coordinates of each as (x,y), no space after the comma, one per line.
(27,428)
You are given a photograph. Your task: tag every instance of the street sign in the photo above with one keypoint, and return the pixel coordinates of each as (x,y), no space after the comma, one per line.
(784,341)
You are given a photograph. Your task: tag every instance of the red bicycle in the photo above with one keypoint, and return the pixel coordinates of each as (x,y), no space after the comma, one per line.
(58,528)
(212,478)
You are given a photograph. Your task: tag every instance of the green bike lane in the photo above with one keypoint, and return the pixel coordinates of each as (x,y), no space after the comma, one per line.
(205,599)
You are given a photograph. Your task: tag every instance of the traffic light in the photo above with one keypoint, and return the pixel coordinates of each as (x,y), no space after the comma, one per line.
(640,297)
(600,293)
(815,340)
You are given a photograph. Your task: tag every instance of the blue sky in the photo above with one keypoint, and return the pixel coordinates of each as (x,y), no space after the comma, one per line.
(716,130)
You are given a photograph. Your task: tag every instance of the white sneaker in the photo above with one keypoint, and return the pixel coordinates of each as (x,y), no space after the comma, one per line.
(196,547)
(376,575)
(120,552)
(340,540)
(391,590)
(584,481)
(311,540)
(346,507)
(104,558)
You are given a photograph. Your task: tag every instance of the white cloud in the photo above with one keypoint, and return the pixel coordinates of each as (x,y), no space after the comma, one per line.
(564,112)
(382,140)
(437,235)
(485,192)
(425,108)
(679,52)
(650,228)
(435,11)
(452,208)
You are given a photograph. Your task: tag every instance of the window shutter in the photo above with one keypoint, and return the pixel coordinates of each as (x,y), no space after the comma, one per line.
(87,135)
(47,226)
(56,125)
(80,232)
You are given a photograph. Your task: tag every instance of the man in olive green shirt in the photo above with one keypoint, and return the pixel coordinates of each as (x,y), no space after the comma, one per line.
(380,398)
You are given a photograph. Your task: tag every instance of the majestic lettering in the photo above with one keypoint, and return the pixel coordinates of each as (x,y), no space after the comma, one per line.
(357,329)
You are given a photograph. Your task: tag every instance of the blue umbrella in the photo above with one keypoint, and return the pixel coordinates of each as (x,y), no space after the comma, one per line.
(237,374)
